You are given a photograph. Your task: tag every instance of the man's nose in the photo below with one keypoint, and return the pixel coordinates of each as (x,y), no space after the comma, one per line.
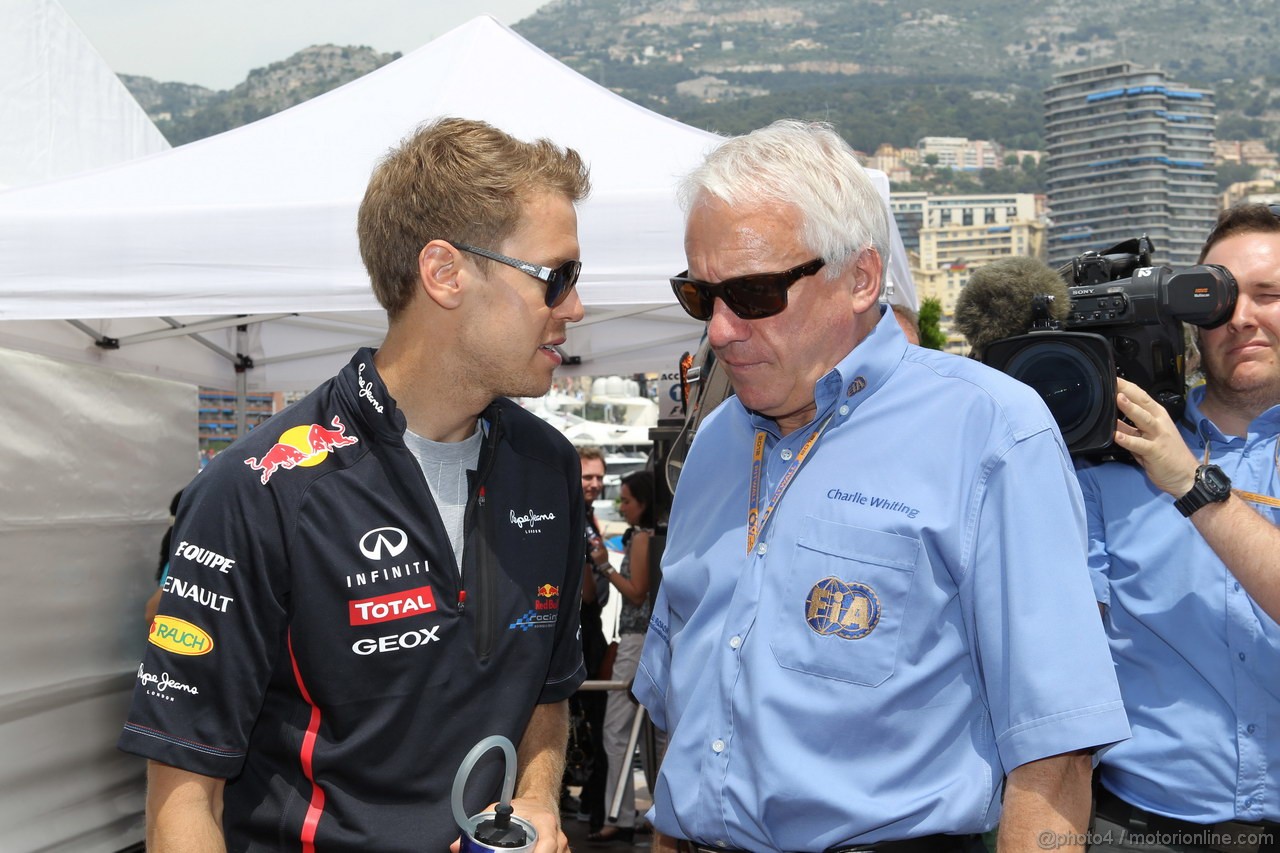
(725,327)
(1243,316)
(571,309)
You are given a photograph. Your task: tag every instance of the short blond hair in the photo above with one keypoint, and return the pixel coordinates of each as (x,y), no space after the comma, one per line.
(459,180)
(589,451)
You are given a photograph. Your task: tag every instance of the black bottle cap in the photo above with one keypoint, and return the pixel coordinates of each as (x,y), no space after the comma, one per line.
(499,831)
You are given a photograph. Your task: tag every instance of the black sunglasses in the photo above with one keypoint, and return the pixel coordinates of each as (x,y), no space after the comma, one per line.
(751,297)
(559,281)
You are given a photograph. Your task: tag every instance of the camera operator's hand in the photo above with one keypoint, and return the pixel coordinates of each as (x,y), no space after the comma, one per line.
(1154,440)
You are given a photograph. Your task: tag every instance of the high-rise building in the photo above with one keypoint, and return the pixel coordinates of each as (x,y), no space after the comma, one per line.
(1130,153)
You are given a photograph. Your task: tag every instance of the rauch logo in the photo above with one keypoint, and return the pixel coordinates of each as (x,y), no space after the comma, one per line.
(179,636)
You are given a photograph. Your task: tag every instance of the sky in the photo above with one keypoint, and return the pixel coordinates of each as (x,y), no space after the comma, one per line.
(217,44)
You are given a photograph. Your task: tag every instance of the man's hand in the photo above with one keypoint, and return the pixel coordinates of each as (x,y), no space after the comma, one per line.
(1154,441)
(546,822)
(1244,540)
(551,838)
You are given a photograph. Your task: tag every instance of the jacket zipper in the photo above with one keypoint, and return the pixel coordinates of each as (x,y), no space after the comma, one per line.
(480,551)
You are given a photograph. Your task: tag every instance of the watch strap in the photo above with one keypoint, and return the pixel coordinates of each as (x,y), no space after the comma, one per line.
(1201,493)
(1193,500)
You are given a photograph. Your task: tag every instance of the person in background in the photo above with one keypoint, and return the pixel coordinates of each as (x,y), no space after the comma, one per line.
(631,580)
(370,583)
(875,628)
(595,594)
(162,569)
(1183,548)
(909,321)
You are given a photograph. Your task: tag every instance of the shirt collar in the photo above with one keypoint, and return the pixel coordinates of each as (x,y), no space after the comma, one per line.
(1195,420)
(857,376)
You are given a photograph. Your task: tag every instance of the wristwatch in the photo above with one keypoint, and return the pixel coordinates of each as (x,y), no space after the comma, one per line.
(1212,486)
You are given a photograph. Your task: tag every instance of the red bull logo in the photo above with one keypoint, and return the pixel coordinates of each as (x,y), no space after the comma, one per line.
(548,598)
(301,446)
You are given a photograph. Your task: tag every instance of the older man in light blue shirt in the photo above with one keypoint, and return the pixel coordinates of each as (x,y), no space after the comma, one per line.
(875,619)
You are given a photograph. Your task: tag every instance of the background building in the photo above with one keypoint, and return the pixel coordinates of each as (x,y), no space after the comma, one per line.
(1129,153)
(959,152)
(217,425)
(947,237)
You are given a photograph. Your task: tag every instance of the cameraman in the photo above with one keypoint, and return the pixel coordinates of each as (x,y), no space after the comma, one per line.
(1185,554)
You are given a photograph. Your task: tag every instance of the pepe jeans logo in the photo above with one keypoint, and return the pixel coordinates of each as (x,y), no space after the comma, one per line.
(531,518)
(366,390)
(162,686)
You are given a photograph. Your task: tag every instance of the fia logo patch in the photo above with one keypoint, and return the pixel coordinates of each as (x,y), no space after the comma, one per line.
(837,608)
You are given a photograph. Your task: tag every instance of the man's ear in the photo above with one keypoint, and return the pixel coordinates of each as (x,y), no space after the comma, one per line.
(438,266)
(868,269)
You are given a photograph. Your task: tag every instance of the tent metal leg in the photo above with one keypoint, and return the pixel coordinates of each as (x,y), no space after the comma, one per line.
(636,724)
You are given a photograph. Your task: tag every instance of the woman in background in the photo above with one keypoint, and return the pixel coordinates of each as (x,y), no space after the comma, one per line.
(632,582)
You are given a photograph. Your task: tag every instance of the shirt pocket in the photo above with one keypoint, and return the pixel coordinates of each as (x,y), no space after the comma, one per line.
(843,602)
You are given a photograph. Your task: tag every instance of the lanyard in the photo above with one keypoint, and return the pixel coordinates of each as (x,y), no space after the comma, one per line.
(1263,500)
(756,520)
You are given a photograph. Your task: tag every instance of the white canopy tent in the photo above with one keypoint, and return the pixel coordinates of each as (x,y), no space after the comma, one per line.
(90,459)
(167,256)
(64,109)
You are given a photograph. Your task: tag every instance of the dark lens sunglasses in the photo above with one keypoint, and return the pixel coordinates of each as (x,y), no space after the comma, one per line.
(751,297)
(559,281)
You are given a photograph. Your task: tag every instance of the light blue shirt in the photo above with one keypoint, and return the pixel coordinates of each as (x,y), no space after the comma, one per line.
(1198,661)
(916,621)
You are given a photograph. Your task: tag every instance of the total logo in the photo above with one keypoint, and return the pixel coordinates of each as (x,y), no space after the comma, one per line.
(396,642)
(179,636)
(302,446)
(397,605)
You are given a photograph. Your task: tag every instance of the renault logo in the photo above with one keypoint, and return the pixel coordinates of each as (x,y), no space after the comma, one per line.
(391,539)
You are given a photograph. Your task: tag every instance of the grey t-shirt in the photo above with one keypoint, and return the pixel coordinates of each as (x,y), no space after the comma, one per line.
(445,465)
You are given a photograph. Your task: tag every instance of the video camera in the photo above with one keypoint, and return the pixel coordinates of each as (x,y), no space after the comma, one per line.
(1124,320)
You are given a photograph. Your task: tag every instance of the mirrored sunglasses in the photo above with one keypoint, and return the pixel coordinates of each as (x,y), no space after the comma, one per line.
(559,281)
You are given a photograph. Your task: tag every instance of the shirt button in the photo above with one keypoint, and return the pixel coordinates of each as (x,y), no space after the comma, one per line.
(735,642)
(717,746)
(722,843)
(844,410)
(785,454)
(1237,587)
(762,548)
(1242,656)
(1251,728)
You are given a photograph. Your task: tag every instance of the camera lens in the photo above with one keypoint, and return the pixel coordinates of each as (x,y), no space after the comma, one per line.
(1068,382)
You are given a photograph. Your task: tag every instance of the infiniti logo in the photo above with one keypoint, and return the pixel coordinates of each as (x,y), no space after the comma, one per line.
(392,539)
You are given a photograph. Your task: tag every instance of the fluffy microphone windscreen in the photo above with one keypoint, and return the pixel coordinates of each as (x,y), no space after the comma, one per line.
(997,302)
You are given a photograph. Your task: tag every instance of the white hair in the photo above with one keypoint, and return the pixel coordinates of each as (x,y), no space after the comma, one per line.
(806,165)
